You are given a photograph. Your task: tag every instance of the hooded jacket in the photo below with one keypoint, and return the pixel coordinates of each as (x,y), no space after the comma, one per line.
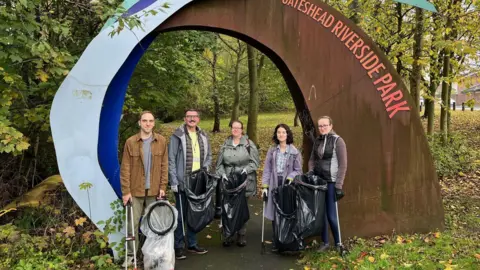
(177,155)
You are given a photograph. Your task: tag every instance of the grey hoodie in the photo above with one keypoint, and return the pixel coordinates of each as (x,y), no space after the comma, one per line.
(177,156)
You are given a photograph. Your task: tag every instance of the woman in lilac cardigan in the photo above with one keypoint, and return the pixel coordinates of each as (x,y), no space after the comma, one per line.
(282,164)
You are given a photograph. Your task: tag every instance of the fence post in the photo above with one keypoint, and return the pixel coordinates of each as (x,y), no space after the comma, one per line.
(463,106)
(454,105)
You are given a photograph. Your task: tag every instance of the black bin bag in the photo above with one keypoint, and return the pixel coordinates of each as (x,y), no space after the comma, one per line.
(200,208)
(311,192)
(235,211)
(286,216)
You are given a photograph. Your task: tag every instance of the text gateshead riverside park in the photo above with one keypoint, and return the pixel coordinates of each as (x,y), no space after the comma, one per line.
(391,96)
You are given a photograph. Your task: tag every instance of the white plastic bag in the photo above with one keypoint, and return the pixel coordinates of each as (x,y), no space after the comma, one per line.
(158,250)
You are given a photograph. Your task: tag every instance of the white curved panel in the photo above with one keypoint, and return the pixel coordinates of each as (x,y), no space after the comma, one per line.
(76,108)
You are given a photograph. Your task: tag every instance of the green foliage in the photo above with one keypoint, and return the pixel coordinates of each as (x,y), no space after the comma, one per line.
(454,157)
(470,103)
(48,238)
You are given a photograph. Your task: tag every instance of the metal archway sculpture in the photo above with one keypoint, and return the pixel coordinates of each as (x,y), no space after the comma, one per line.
(331,68)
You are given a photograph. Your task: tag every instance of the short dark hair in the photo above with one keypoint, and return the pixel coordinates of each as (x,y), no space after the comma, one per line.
(289,134)
(145,112)
(235,121)
(192,110)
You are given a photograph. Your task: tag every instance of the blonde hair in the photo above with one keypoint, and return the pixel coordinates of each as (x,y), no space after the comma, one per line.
(326,117)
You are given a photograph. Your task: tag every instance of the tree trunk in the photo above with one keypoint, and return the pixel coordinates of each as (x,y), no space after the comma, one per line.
(354,6)
(216,102)
(236,95)
(445,85)
(295,120)
(449,94)
(253,82)
(417,54)
(430,105)
(434,71)
(399,55)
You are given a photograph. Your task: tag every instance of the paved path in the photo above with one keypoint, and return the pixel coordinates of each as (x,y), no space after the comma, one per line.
(235,257)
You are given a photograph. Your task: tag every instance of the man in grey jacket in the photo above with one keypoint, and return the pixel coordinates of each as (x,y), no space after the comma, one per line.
(188,150)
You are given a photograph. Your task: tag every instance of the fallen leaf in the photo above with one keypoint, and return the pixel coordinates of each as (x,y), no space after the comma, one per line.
(399,239)
(256,214)
(363,254)
(371,259)
(209,236)
(69,231)
(306,268)
(426,240)
(477,256)
(80,221)
(437,235)
(334,266)
(384,256)
(86,237)
(408,265)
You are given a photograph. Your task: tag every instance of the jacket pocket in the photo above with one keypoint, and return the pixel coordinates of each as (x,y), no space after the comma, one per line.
(136,159)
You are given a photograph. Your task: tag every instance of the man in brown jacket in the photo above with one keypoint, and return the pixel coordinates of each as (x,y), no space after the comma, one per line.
(144,170)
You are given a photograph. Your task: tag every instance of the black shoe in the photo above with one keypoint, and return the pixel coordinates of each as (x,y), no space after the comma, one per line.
(197,250)
(241,240)
(274,248)
(180,254)
(227,242)
(343,252)
(218,213)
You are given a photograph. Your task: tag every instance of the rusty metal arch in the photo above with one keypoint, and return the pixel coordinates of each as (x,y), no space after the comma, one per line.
(391,183)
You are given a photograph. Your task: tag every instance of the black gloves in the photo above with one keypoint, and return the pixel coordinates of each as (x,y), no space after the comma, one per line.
(339,194)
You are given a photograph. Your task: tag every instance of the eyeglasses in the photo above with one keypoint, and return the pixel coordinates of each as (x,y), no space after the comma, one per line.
(322,126)
(191,116)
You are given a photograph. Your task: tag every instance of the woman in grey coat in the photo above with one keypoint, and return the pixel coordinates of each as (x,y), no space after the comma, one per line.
(282,164)
(240,154)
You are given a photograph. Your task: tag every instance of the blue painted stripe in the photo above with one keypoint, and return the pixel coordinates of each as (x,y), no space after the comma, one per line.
(111,112)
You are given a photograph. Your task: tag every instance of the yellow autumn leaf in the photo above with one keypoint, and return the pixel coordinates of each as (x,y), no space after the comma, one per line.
(42,75)
(399,239)
(437,235)
(86,237)
(69,231)
(80,221)
(306,268)
(371,259)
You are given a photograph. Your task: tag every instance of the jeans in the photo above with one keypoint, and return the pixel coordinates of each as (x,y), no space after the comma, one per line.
(331,215)
(191,236)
